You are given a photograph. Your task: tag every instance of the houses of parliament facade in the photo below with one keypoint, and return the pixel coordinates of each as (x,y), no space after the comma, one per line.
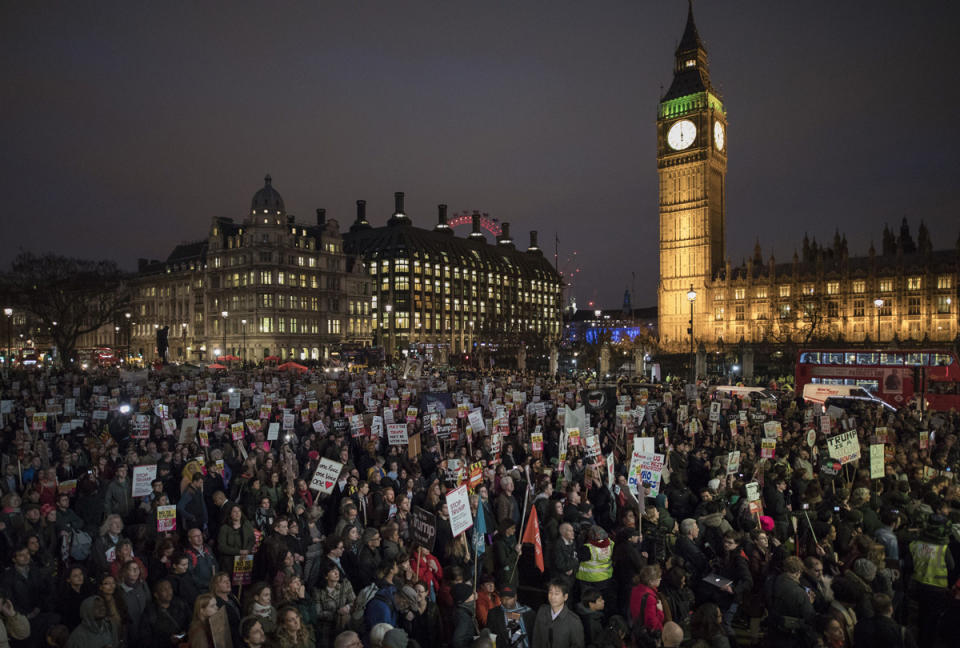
(905,291)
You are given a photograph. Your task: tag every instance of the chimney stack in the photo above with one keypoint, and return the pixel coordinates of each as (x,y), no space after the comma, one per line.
(504,238)
(398,218)
(476,234)
(533,242)
(398,203)
(321,217)
(442,225)
(361,211)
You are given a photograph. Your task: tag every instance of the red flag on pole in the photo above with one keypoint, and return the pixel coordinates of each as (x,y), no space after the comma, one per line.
(532,535)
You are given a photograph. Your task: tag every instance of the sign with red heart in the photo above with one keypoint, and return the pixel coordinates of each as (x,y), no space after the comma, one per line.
(326,475)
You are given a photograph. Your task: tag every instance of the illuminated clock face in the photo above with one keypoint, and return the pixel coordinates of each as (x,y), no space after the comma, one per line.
(718,135)
(681,135)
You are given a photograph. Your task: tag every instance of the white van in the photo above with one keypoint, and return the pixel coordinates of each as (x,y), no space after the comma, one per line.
(741,391)
(819,393)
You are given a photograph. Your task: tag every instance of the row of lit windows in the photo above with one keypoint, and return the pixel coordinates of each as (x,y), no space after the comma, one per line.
(859,286)
(914,306)
(266,324)
(402,266)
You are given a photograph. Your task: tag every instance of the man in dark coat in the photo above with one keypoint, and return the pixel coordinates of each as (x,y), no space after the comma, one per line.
(881,629)
(791,609)
(556,626)
(510,621)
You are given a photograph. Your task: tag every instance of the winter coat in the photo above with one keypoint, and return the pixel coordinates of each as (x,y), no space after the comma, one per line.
(231,541)
(93,633)
(643,597)
(566,631)
(118,498)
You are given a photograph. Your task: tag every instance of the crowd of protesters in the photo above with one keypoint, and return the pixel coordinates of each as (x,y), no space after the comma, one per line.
(715,550)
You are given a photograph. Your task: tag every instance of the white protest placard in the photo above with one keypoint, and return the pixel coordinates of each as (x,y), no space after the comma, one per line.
(876,461)
(715,411)
(69,406)
(188,429)
(733,462)
(288,420)
(326,476)
(753,491)
(234,400)
(772,429)
(273,431)
(768,448)
(397,434)
(611,471)
(319,427)
(458,506)
(376,427)
(651,469)
(475,417)
(643,444)
(142,476)
(844,447)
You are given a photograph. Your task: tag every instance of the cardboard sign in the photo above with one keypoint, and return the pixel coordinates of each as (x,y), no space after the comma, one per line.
(236,431)
(772,430)
(423,528)
(876,461)
(397,434)
(844,447)
(166,518)
(753,491)
(458,506)
(326,475)
(142,476)
(288,420)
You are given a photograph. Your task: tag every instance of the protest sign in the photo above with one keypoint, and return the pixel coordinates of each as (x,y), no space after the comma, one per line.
(844,447)
(273,431)
(376,427)
(768,448)
(536,440)
(876,461)
(236,431)
(142,476)
(166,518)
(772,430)
(423,528)
(651,469)
(243,570)
(288,420)
(326,475)
(458,507)
(476,420)
(733,462)
(397,433)
(715,411)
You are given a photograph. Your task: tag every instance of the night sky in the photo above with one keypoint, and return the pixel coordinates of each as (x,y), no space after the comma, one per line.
(126,126)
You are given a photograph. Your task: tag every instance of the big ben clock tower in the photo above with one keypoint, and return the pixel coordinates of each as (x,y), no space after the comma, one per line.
(692,169)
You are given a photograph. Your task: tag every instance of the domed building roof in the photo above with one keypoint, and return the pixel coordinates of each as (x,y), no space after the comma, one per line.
(267,200)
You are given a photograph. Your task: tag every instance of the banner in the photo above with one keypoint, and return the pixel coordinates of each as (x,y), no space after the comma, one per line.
(243,569)
(458,506)
(326,475)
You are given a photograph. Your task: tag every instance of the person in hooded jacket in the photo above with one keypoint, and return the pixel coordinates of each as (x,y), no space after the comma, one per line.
(590,611)
(464,627)
(96,629)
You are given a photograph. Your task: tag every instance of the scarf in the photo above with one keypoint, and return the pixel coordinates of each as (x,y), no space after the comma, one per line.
(259,610)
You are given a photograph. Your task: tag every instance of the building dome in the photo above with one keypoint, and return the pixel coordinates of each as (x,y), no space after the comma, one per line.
(267,200)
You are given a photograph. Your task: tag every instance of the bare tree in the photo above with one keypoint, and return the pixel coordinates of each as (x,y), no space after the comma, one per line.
(66,297)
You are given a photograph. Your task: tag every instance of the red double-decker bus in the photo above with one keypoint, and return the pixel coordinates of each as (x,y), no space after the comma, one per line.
(894,375)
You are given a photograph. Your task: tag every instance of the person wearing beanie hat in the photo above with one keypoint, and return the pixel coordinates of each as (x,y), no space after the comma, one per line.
(506,552)
(464,599)
(395,638)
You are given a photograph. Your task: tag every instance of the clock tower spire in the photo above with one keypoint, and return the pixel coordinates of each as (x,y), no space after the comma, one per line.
(692,168)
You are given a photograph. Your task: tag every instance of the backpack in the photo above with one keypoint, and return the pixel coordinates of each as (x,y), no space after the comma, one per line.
(359,605)
(643,636)
(80,544)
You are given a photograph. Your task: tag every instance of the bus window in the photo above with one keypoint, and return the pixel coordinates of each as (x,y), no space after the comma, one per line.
(914,359)
(809,357)
(832,358)
(867,358)
(871,386)
(850,358)
(891,359)
(941,359)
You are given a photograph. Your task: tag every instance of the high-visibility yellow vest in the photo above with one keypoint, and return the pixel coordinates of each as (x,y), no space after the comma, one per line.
(929,563)
(599,567)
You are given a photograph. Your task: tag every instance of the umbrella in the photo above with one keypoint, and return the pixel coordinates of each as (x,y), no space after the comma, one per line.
(229,358)
(271,359)
(293,366)
(215,366)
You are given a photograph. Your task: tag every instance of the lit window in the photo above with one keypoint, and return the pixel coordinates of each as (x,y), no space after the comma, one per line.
(690,63)
(886,285)
(784,291)
(944,282)
(833,287)
(913,283)
(807,289)
(761,292)
(739,293)
(859,286)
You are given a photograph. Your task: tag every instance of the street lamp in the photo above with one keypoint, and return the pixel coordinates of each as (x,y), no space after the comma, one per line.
(243,323)
(9,313)
(692,297)
(224,314)
(878,304)
(183,341)
(388,308)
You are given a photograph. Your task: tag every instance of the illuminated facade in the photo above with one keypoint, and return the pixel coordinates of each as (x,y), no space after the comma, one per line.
(263,286)
(908,291)
(434,290)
